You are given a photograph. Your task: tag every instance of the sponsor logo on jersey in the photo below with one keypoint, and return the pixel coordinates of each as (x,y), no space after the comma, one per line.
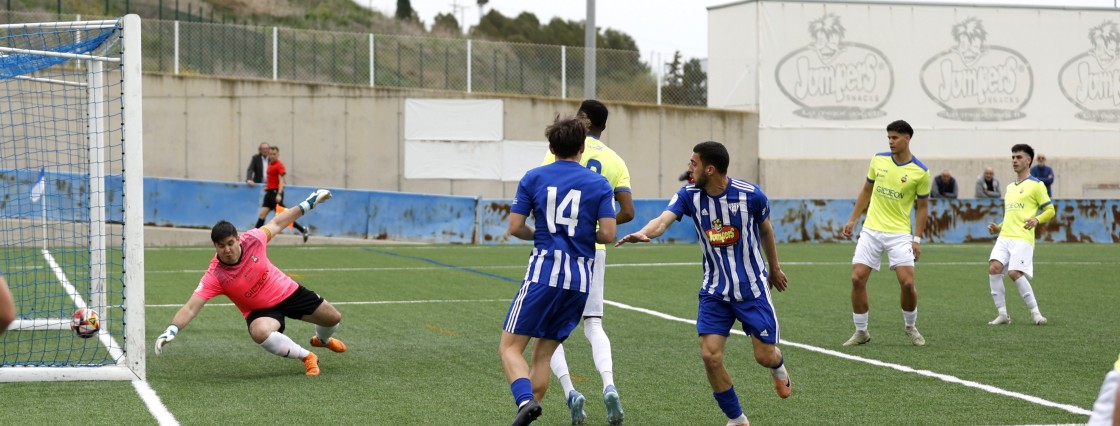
(720,235)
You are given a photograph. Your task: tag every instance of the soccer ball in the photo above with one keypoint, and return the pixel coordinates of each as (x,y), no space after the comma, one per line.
(85,323)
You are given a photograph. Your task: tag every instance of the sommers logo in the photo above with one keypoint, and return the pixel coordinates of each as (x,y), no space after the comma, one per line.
(833,79)
(975,81)
(1091,80)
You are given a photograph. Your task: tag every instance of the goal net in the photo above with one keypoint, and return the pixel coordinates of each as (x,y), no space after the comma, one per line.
(71,213)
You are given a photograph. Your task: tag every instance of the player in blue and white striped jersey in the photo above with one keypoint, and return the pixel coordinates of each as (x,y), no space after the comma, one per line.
(567,201)
(732,218)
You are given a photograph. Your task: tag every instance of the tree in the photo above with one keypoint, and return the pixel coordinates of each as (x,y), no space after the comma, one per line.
(446,23)
(686,83)
(404,10)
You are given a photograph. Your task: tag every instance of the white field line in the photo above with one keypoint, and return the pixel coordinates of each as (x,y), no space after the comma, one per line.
(943,377)
(155,406)
(613,265)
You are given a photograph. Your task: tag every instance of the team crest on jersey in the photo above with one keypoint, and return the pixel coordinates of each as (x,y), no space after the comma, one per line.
(734,208)
(254,259)
(903,178)
(1020,190)
(720,235)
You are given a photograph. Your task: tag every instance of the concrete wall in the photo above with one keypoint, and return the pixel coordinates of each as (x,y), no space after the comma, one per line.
(351,137)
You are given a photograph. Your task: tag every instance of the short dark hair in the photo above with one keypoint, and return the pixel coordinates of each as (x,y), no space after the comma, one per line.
(1024,148)
(566,136)
(222,230)
(596,112)
(901,126)
(714,154)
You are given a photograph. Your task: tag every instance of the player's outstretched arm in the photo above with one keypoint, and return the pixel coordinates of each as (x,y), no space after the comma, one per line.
(282,220)
(652,230)
(862,201)
(518,228)
(185,315)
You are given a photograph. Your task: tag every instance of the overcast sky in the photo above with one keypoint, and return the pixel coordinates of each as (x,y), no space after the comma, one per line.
(662,26)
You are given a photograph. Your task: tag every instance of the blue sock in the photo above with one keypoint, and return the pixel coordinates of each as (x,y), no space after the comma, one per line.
(522,390)
(729,402)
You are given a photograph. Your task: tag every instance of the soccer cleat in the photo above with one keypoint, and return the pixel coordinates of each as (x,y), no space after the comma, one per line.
(527,413)
(784,387)
(1001,319)
(1038,319)
(614,406)
(915,337)
(311,362)
(306,235)
(858,338)
(332,344)
(575,405)
(741,421)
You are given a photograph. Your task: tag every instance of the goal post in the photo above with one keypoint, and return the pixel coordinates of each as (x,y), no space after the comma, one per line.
(71,224)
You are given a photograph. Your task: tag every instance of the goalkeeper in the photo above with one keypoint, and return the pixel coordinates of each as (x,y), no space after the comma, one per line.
(265,295)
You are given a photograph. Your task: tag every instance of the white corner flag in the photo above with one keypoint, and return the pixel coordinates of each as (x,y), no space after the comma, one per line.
(40,185)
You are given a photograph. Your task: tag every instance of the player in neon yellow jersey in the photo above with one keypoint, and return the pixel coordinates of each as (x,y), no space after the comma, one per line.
(1026,205)
(896,182)
(601,159)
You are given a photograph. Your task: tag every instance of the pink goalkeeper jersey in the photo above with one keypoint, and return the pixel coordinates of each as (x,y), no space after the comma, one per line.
(253,283)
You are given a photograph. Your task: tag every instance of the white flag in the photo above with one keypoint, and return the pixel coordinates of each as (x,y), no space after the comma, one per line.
(40,185)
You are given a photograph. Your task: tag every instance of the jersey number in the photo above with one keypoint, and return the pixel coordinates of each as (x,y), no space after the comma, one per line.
(554,214)
(595,166)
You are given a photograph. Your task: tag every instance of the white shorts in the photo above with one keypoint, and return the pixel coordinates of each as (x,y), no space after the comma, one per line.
(594,307)
(1015,255)
(1106,401)
(872,244)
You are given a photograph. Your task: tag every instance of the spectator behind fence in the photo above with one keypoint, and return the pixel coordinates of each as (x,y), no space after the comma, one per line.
(258,164)
(987,185)
(1044,173)
(945,186)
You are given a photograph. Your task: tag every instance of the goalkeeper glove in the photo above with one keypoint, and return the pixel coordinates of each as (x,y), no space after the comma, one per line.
(314,199)
(167,336)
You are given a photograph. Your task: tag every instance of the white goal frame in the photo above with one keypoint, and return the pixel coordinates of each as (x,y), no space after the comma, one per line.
(130,359)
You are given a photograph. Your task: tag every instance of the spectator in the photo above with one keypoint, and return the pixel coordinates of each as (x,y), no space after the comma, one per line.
(258,164)
(987,186)
(945,186)
(1044,173)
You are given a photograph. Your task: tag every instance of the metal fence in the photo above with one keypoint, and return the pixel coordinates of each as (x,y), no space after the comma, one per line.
(199,48)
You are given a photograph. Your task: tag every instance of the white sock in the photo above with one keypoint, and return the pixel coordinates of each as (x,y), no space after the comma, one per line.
(860,320)
(910,317)
(995,282)
(324,333)
(1027,292)
(780,373)
(741,420)
(284,346)
(600,349)
(560,369)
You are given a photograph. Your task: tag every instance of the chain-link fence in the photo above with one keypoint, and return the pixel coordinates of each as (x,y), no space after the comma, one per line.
(376,60)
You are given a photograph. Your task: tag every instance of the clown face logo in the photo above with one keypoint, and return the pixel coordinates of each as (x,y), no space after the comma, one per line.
(833,79)
(1091,80)
(976,81)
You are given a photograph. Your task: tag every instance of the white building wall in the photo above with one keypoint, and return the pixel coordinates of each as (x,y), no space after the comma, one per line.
(971,80)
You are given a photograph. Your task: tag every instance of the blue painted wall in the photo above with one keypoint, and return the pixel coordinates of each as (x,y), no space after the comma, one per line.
(468,220)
